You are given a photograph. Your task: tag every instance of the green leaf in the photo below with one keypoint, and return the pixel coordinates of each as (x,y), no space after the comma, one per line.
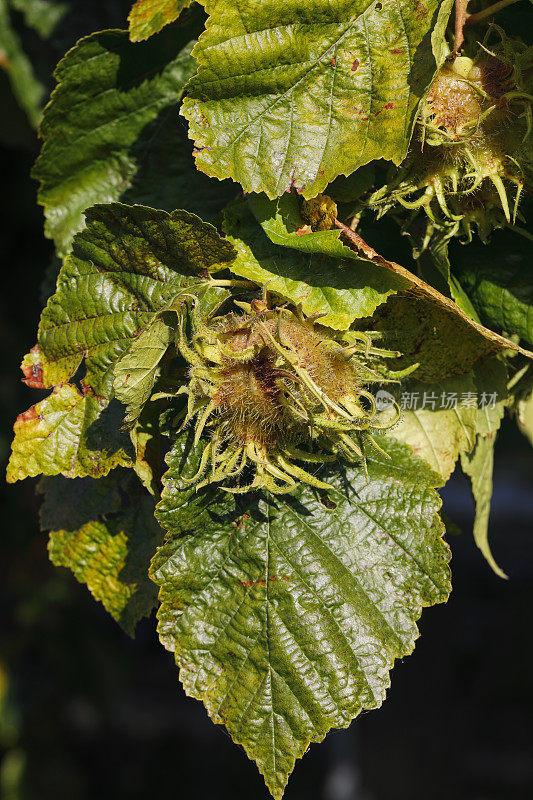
(439,421)
(286,620)
(127,264)
(67,433)
(478,465)
(501,287)
(318,272)
(296,93)
(107,542)
(25,85)
(41,15)
(525,416)
(150,16)
(491,385)
(111,122)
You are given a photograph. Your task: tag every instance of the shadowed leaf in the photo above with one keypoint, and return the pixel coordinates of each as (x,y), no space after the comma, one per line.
(107,543)
(501,289)
(111,131)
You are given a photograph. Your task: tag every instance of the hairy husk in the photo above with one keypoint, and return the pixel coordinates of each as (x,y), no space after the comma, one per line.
(473,157)
(272,393)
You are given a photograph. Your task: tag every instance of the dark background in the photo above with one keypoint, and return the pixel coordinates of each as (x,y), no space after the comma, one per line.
(86,712)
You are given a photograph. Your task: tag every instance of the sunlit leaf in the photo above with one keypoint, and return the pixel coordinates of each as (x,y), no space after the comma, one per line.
(66,434)
(150,16)
(286,619)
(296,93)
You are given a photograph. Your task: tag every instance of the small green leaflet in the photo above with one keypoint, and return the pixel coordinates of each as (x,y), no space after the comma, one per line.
(67,433)
(106,543)
(150,16)
(296,93)
(127,264)
(286,619)
(137,370)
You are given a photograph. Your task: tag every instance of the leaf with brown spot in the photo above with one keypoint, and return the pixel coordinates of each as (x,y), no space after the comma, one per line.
(32,368)
(294,93)
(67,433)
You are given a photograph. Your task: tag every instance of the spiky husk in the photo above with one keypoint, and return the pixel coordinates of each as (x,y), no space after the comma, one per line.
(473,157)
(270,391)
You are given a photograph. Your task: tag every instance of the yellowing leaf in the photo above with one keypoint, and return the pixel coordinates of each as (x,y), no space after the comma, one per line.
(66,434)
(436,428)
(107,539)
(149,16)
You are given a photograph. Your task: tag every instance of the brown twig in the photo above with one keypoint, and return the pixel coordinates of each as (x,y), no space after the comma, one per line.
(480,16)
(415,285)
(461,7)
(358,241)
